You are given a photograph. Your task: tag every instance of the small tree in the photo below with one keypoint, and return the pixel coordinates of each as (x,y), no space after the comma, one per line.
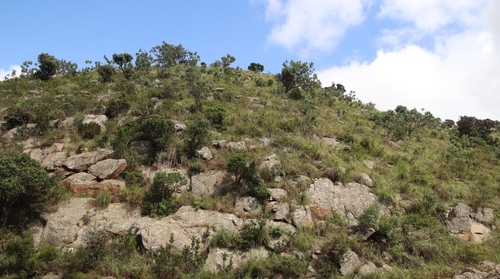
(298,74)
(24,186)
(106,72)
(256,67)
(159,199)
(124,62)
(48,65)
(196,135)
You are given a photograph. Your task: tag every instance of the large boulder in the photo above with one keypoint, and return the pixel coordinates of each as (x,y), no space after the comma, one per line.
(62,227)
(349,263)
(99,119)
(270,163)
(351,198)
(247,204)
(302,217)
(108,169)
(460,223)
(215,260)
(186,223)
(209,183)
(81,162)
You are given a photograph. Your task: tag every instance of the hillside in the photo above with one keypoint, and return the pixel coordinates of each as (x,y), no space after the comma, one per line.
(159,166)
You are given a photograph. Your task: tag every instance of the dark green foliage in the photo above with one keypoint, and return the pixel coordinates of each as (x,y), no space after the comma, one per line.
(473,127)
(248,175)
(24,186)
(196,168)
(159,199)
(157,130)
(89,130)
(16,117)
(124,62)
(217,116)
(298,74)
(402,122)
(95,241)
(296,94)
(253,234)
(256,67)
(196,135)
(48,66)
(106,72)
(116,106)
(170,265)
(18,258)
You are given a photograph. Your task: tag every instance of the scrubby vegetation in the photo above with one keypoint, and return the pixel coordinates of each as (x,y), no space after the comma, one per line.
(421,166)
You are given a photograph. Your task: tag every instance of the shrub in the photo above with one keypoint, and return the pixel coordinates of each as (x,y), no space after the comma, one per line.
(24,186)
(89,130)
(159,199)
(196,167)
(370,216)
(296,94)
(106,72)
(224,239)
(115,107)
(196,135)
(252,234)
(217,116)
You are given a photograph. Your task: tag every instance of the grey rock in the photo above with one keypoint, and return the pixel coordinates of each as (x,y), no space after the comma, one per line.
(186,223)
(351,197)
(485,215)
(281,212)
(277,194)
(364,179)
(180,127)
(279,234)
(364,234)
(349,263)
(99,109)
(99,119)
(108,169)
(270,163)
(366,268)
(265,142)
(302,217)
(330,141)
(219,143)
(53,160)
(209,183)
(81,162)
(62,227)
(458,220)
(369,164)
(247,204)
(205,153)
(240,145)
(216,255)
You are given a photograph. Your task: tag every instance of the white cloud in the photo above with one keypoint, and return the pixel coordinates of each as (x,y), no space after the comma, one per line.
(456,75)
(430,15)
(459,78)
(307,26)
(4,73)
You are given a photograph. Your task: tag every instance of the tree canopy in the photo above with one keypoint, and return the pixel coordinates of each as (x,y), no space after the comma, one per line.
(24,185)
(298,74)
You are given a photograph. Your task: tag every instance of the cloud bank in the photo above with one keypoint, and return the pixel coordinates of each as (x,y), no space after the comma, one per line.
(7,73)
(441,55)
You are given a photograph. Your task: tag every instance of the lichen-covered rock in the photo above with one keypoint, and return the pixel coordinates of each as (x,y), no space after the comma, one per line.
(108,169)
(302,217)
(270,163)
(458,220)
(247,204)
(183,225)
(281,212)
(364,179)
(350,263)
(205,153)
(343,198)
(62,227)
(81,162)
(277,194)
(215,260)
(485,215)
(209,183)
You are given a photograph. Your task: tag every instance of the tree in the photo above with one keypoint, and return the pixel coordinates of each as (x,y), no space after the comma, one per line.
(159,200)
(143,61)
(48,66)
(256,67)
(298,74)
(227,60)
(106,72)
(167,55)
(156,129)
(248,175)
(402,122)
(24,186)
(67,67)
(473,127)
(199,90)
(196,135)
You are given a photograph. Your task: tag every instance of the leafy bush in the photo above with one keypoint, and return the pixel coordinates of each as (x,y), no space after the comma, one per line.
(89,130)
(248,174)
(106,72)
(196,135)
(115,107)
(159,200)
(296,94)
(24,186)
(217,116)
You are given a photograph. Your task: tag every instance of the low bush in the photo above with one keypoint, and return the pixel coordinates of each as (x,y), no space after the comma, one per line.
(89,130)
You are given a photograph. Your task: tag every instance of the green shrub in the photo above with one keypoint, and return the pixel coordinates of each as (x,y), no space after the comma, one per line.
(196,167)
(132,195)
(370,216)
(106,72)
(159,200)
(217,116)
(196,135)
(89,130)
(103,198)
(296,94)
(253,234)
(115,107)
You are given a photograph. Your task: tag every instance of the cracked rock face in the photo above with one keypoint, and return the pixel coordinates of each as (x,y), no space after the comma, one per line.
(351,198)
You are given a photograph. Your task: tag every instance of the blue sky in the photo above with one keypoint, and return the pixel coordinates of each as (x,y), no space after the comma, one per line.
(439,55)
